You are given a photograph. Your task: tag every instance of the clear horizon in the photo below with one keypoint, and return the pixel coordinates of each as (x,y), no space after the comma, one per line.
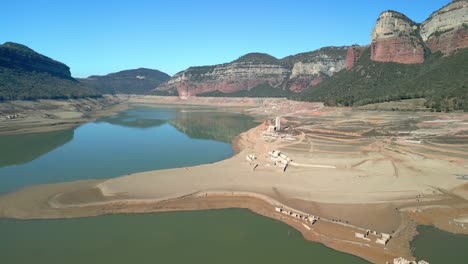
(96,38)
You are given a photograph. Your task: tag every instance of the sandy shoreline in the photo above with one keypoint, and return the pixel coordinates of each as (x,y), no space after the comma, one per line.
(382,184)
(53,115)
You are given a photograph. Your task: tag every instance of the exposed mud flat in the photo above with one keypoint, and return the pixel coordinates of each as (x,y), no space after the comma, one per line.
(49,115)
(382,171)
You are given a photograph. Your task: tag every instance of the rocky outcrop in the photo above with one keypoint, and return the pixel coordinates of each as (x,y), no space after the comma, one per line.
(20,57)
(353,55)
(294,73)
(395,39)
(311,68)
(137,81)
(245,73)
(446,30)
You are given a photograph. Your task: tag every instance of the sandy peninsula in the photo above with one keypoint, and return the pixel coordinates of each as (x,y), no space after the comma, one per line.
(359,172)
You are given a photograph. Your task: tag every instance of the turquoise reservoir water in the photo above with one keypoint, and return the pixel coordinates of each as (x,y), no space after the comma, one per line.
(221,236)
(136,140)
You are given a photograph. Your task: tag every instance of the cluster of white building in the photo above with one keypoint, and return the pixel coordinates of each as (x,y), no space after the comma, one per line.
(382,238)
(251,157)
(402,260)
(14,116)
(279,159)
(310,219)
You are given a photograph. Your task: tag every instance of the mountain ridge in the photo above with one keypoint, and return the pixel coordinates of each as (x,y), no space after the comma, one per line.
(132,81)
(26,74)
(291,73)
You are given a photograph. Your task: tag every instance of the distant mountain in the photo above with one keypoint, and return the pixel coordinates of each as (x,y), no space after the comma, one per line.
(138,81)
(26,74)
(406,60)
(258,74)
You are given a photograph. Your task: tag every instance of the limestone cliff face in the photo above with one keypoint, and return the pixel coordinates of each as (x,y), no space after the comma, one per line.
(353,55)
(311,68)
(249,71)
(242,74)
(395,39)
(446,30)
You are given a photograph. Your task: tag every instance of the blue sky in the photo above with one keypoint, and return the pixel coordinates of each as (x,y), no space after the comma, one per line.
(99,37)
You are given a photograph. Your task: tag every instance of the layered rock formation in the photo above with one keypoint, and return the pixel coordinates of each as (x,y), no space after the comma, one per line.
(353,55)
(295,73)
(137,81)
(311,68)
(395,39)
(446,30)
(242,74)
(20,57)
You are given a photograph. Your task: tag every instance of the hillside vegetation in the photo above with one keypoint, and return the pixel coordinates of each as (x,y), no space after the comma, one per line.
(261,90)
(443,81)
(138,81)
(26,74)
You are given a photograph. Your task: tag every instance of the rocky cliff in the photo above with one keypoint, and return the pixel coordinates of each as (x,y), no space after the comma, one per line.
(311,68)
(137,81)
(294,73)
(353,55)
(244,73)
(395,38)
(20,57)
(446,30)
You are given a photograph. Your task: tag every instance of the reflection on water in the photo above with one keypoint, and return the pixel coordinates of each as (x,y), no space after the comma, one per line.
(437,246)
(222,126)
(195,123)
(19,149)
(141,117)
(136,140)
(221,236)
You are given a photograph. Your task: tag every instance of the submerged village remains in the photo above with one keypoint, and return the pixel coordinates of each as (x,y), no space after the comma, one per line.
(356,181)
(277,158)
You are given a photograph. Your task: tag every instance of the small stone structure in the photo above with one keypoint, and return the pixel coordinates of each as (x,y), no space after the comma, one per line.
(277,123)
(14,116)
(382,238)
(276,127)
(310,219)
(402,260)
(251,157)
(279,159)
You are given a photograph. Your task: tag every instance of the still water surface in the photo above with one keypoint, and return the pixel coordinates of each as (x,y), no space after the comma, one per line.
(221,236)
(437,246)
(136,140)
